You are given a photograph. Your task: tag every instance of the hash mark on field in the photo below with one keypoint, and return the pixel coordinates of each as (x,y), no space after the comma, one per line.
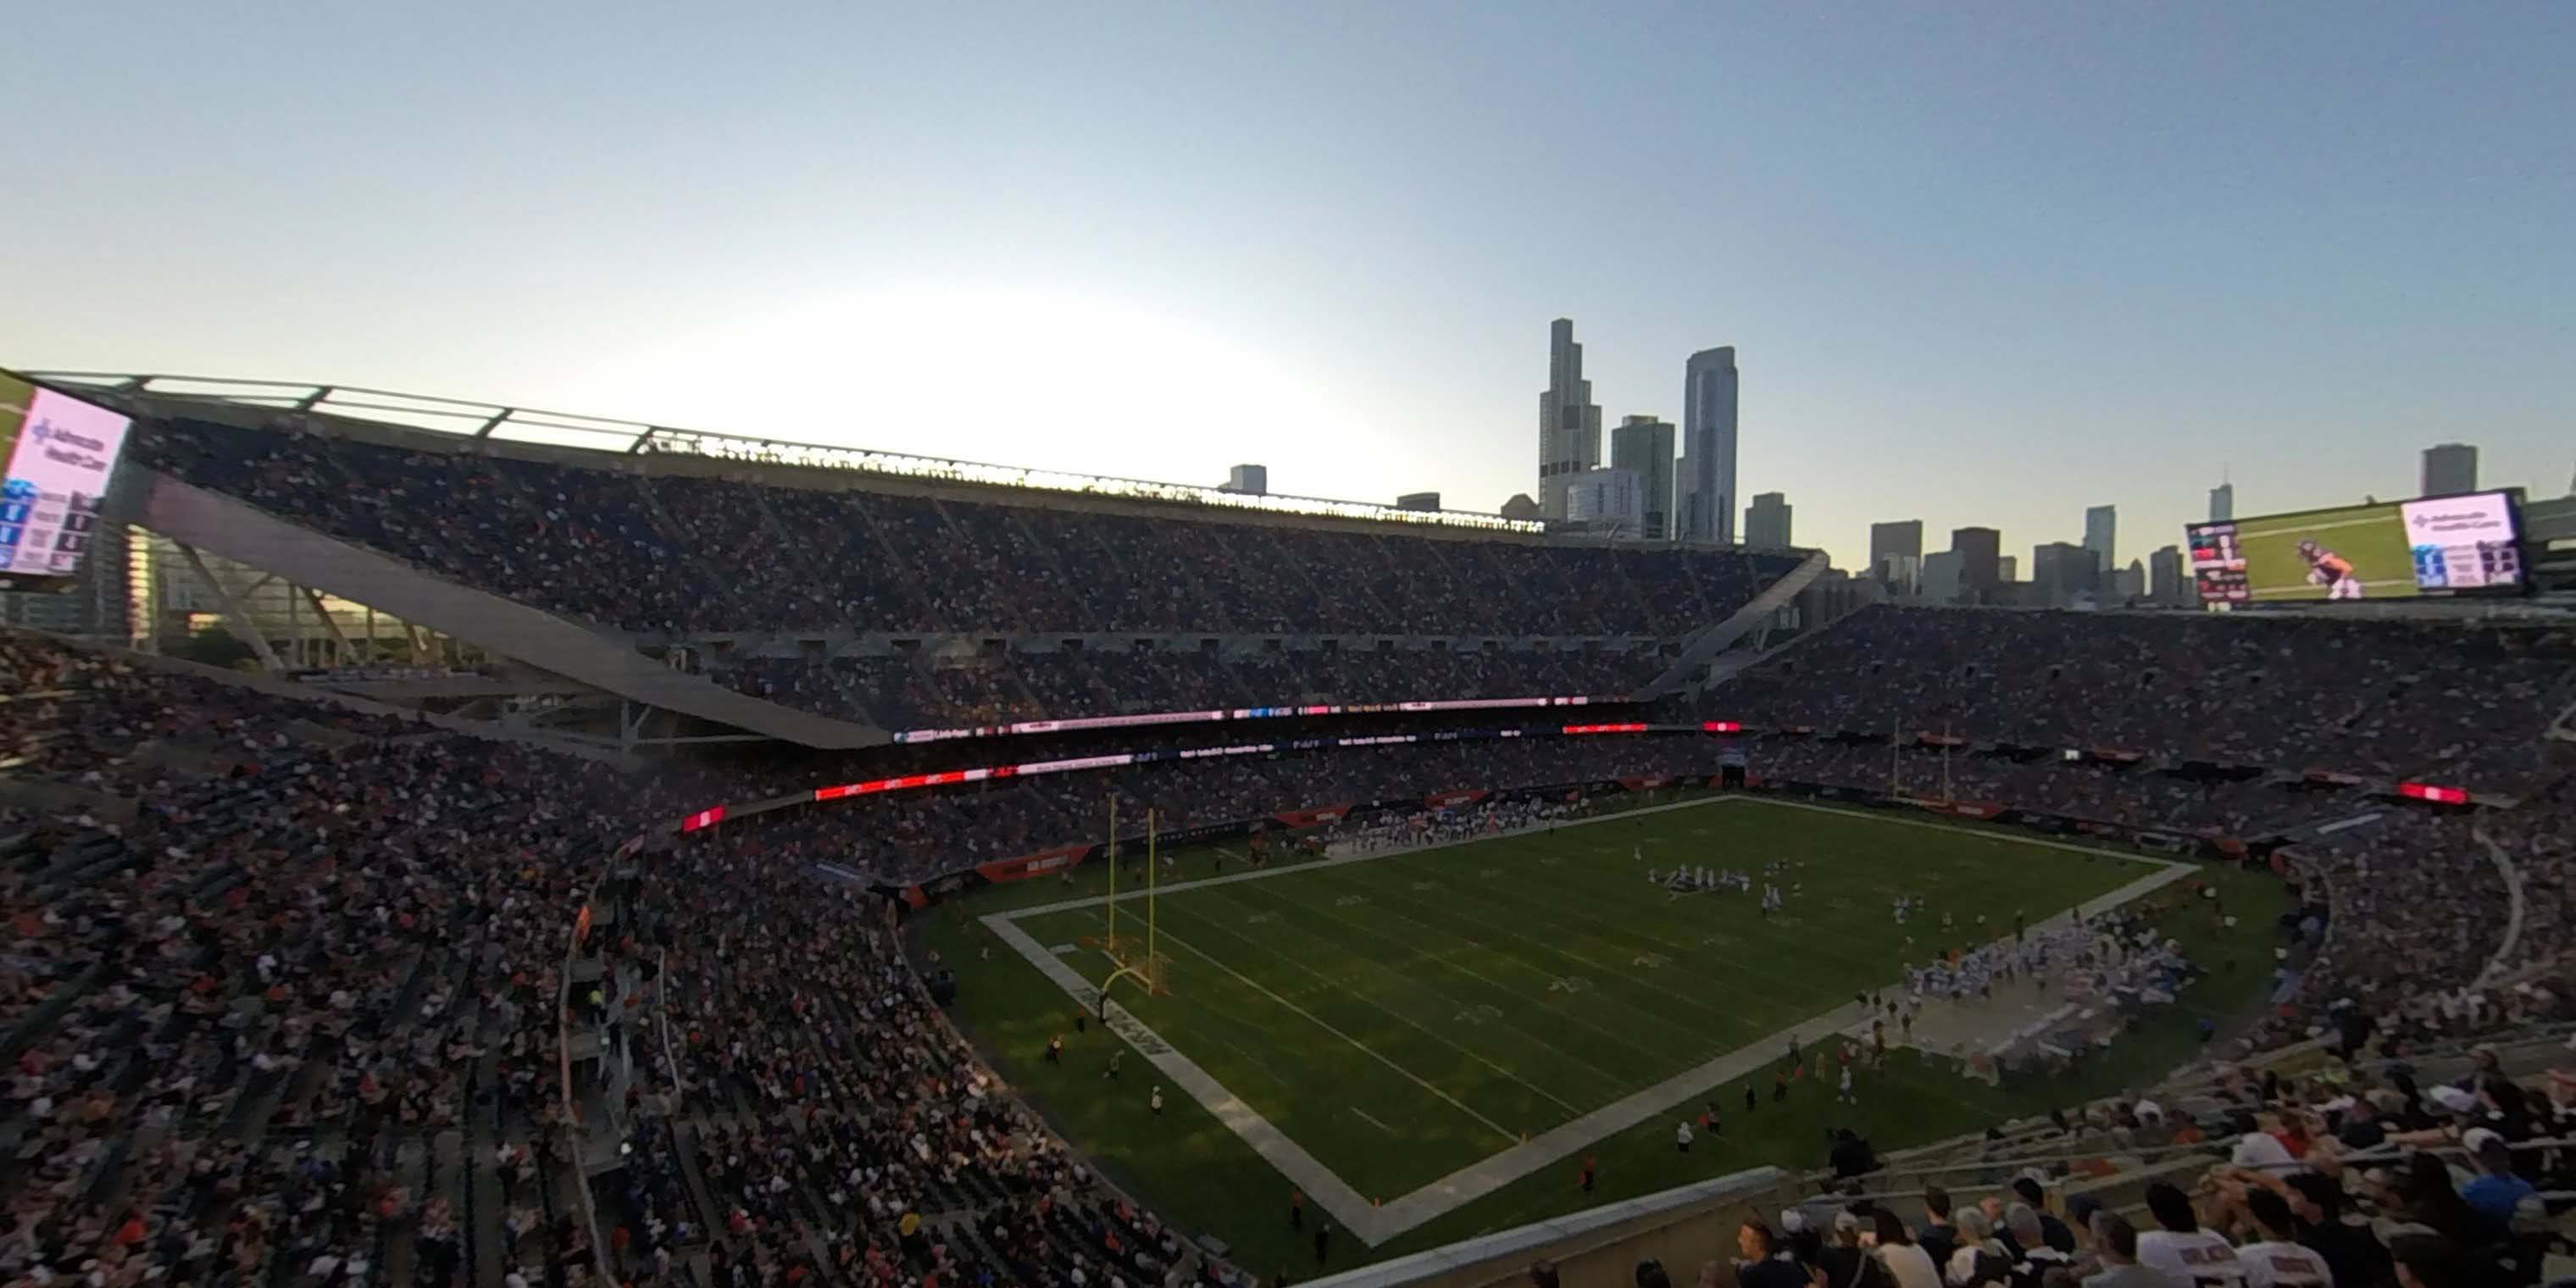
(1364,1117)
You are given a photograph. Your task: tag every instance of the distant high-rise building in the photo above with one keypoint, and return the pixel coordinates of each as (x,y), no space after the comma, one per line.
(2165,583)
(2222,503)
(1899,537)
(2130,583)
(1900,574)
(1941,577)
(2450,469)
(1766,521)
(2101,529)
(1980,553)
(2007,570)
(1645,444)
(1252,480)
(1520,506)
(1708,441)
(1418,501)
(1569,425)
(1611,502)
(2061,573)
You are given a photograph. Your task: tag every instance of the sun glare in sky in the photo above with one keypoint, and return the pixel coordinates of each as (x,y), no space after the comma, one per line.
(1091,385)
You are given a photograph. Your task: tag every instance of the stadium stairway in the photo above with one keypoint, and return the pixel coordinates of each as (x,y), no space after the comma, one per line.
(1699,649)
(243,532)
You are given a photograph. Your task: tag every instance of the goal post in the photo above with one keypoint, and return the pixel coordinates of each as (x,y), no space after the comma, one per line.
(1132,957)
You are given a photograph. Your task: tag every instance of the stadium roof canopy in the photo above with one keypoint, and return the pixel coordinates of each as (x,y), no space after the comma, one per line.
(600,433)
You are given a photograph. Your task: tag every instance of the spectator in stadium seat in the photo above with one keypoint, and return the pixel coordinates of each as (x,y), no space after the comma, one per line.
(1908,1263)
(2031,1188)
(2431,1261)
(1978,1260)
(1938,1237)
(2181,1248)
(1766,1261)
(2495,1191)
(2115,1241)
(2274,1257)
(2351,1252)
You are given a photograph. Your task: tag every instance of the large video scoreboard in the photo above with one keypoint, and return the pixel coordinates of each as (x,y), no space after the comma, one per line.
(2389,550)
(57,456)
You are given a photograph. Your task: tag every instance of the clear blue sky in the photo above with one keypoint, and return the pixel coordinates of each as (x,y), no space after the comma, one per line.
(1982,264)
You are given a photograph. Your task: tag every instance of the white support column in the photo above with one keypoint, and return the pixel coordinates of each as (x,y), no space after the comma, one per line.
(236,619)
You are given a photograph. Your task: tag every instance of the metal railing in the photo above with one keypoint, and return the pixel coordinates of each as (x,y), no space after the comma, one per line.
(608,433)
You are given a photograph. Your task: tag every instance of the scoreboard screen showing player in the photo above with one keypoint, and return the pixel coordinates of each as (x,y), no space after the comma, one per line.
(2391,550)
(59,454)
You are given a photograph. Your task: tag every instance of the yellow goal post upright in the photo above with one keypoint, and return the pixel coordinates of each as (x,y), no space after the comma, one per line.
(1129,959)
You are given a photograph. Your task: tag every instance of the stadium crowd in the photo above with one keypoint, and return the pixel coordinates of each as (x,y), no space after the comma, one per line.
(247,1026)
(907,836)
(824,1122)
(2447,701)
(288,1013)
(678,554)
(295,1021)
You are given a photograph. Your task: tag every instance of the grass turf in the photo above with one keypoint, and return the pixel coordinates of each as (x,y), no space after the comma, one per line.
(1402,1017)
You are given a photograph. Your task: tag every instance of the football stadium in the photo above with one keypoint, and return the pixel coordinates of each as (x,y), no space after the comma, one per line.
(927,646)
(709,857)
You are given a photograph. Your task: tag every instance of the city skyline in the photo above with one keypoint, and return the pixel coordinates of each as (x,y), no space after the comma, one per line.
(1975,262)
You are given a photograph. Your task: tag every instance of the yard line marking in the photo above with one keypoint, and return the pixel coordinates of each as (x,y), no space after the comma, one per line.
(1339,987)
(1497,985)
(1362,1047)
(1364,1117)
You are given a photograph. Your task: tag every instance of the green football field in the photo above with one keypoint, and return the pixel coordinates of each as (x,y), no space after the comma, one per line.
(2373,539)
(1405,1017)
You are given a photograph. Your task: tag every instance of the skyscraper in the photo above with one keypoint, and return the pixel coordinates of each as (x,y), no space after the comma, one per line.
(2222,503)
(1645,444)
(1569,426)
(1708,439)
(2450,469)
(1766,521)
(1896,553)
(2165,583)
(2101,525)
(2060,574)
(1980,560)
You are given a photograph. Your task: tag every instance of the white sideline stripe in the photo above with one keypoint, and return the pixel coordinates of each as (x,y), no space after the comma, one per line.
(1362,1047)
(1328,1189)
(1366,1118)
(1374,1225)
